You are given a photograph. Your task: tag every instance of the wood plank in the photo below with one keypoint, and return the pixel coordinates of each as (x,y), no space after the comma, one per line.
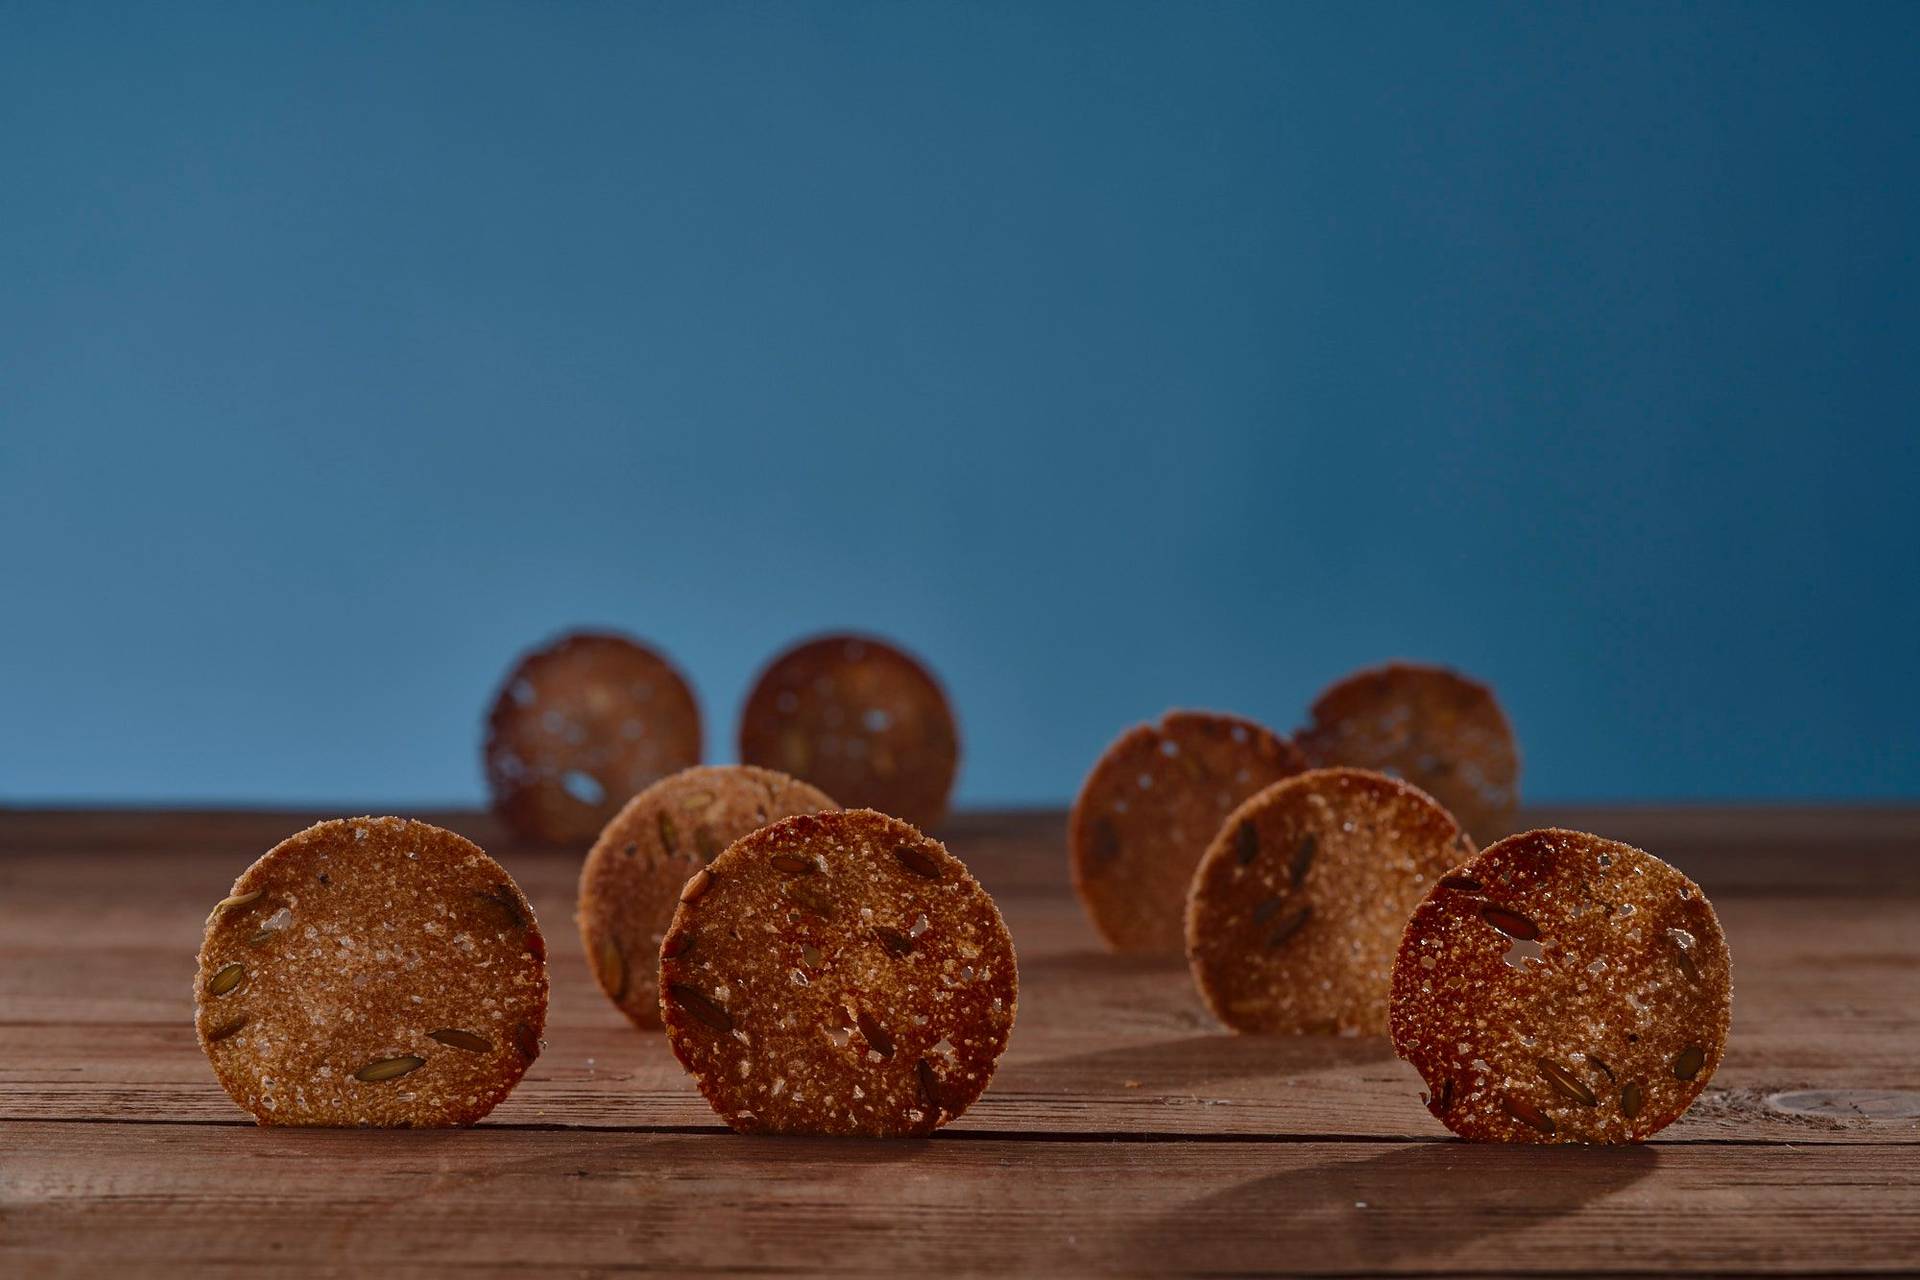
(1790,850)
(219,1200)
(1200,1087)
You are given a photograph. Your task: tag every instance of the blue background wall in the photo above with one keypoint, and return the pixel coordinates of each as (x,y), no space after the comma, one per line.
(1113,357)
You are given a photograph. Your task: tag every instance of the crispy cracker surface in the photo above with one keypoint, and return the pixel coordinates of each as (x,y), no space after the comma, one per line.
(838,973)
(1296,909)
(861,720)
(578,728)
(1562,987)
(371,971)
(1440,730)
(1147,810)
(631,881)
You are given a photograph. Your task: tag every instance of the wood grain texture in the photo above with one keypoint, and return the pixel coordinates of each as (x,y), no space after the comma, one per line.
(1124,1132)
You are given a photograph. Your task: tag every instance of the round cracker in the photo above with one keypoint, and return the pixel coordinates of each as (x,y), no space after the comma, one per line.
(371,971)
(1432,726)
(581,725)
(838,973)
(1148,808)
(1296,909)
(632,878)
(1561,987)
(859,719)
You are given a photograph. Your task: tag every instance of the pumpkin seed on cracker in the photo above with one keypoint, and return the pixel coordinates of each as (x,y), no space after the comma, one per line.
(1296,909)
(578,727)
(1562,987)
(371,971)
(637,870)
(839,973)
(1148,808)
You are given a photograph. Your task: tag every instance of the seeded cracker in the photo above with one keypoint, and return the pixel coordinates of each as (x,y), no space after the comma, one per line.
(580,726)
(838,973)
(371,971)
(1433,727)
(859,719)
(1147,810)
(1562,988)
(1297,906)
(632,879)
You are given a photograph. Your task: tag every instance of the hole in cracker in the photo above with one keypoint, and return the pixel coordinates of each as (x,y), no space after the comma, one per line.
(278,922)
(583,786)
(1523,952)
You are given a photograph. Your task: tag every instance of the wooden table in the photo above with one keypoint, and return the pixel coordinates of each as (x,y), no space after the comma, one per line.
(1124,1132)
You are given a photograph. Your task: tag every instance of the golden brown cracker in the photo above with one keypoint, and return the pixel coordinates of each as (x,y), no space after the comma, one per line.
(1296,909)
(371,971)
(631,881)
(838,973)
(580,726)
(1148,808)
(1440,730)
(1562,987)
(859,719)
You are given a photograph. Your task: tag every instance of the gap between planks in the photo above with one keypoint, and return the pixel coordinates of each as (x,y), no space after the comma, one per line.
(1131,1137)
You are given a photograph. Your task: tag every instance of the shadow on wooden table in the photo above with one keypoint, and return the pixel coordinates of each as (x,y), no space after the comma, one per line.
(1068,965)
(1354,1211)
(1191,1061)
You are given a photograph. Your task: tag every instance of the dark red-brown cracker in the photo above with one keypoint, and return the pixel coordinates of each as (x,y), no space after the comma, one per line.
(1561,987)
(371,971)
(838,973)
(631,882)
(578,728)
(1147,810)
(860,720)
(1436,728)
(1296,909)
